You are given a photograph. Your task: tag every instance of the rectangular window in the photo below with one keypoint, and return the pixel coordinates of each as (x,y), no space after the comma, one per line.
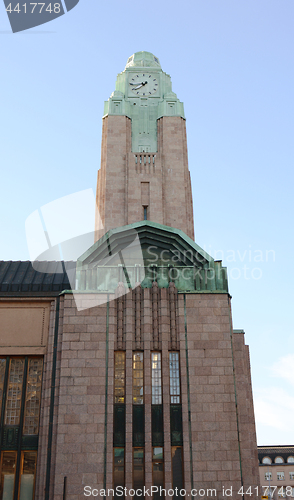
(280,476)
(176,426)
(8,463)
(291,475)
(157,470)
(14,391)
(119,425)
(27,475)
(268,475)
(138,378)
(157,425)
(138,425)
(118,467)
(119,377)
(174,378)
(138,465)
(156,378)
(177,467)
(33,396)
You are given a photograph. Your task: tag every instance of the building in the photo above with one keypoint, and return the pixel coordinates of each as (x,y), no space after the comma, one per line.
(126,371)
(276,471)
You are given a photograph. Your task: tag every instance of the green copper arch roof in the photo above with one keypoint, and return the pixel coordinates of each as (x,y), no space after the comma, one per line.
(144,252)
(175,237)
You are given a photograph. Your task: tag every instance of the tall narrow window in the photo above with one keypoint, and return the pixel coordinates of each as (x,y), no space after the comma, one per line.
(158,470)
(7,474)
(27,477)
(174,378)
(138,378)
(177,467)
(138,465)
(14,391)
(156,378)
(145,213)
(119,377)
(33,396)
(118,468)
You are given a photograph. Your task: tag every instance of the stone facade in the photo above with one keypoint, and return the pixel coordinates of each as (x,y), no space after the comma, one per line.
(120,199)
(218,436)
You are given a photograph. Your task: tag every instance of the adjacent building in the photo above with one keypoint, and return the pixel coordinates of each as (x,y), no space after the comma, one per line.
(276,471)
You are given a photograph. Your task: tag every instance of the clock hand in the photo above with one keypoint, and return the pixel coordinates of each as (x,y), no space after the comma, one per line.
(139,84)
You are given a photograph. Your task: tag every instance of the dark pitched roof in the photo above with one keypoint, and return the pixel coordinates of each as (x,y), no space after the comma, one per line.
(25,277)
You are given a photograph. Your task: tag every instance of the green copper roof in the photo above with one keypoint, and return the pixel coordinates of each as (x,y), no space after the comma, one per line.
(143,93)
(144,252)
(143,59)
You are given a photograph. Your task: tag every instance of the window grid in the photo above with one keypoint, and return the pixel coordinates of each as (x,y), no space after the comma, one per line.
(291,475)
(138,378)
(33,397)
(13,399)
(156,378)
(174,378)
(268,475)
(119,377)
(280,476)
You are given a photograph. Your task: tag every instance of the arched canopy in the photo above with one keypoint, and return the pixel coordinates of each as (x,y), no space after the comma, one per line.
(145,252)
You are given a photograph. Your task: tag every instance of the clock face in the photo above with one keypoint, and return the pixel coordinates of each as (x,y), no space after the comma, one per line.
(143,84)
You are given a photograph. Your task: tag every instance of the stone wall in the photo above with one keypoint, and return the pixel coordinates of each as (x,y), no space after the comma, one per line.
(218,435)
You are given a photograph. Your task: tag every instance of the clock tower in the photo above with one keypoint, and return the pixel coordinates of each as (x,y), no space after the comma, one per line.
(144,171)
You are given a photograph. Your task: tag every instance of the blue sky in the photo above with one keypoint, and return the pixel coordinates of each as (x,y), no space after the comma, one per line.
(231,63)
